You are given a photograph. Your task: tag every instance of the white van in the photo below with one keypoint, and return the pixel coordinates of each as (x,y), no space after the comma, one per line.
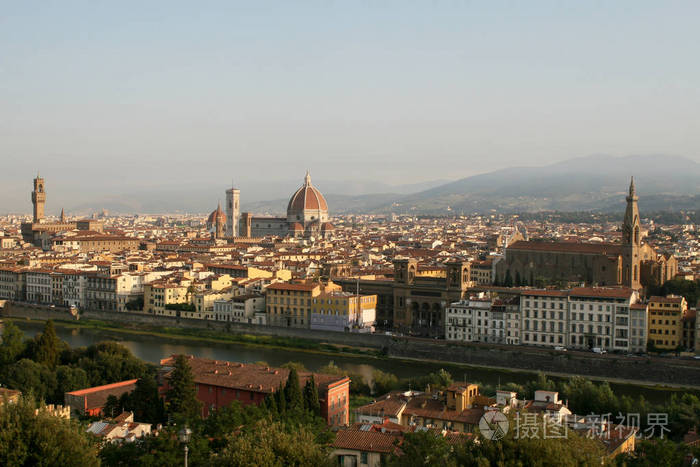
(599,350)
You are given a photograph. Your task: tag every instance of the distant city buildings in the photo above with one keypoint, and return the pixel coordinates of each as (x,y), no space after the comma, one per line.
(494,279)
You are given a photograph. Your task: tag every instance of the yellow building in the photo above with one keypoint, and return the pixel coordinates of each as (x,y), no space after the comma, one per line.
(289,305)
(159,294)
(461,396)
(666,321)
(343,311)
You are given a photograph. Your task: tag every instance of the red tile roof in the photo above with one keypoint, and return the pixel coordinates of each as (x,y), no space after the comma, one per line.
(365,441)
(568,247)
(249,377)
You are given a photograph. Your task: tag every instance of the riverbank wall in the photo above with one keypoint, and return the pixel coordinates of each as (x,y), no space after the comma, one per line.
(651,370)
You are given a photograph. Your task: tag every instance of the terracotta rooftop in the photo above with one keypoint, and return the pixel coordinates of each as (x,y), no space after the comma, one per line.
(611,292)
(249,377)
(367,441)
(568,247)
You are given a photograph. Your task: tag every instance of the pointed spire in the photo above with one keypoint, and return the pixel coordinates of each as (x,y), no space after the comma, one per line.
(632,189)
(63,216)
(307,178)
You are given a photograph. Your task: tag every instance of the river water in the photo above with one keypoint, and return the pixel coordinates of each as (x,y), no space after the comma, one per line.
(154,348)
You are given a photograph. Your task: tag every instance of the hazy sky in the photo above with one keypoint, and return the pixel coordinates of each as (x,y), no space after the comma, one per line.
(132,93)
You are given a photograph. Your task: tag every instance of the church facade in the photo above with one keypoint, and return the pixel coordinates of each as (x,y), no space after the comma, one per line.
(629,263)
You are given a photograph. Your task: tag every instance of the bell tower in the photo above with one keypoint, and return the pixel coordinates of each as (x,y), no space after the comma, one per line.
(233,211)
(631,241)
(38,198)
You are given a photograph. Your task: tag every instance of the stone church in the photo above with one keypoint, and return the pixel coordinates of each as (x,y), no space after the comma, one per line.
(629,263)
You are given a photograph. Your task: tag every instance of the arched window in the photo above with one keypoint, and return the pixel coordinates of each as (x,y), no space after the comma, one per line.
(636,235)
(635,272)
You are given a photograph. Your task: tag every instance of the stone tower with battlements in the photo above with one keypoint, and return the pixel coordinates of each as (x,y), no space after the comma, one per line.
(38,198)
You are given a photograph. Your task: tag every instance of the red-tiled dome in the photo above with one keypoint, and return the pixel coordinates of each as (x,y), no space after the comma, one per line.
(307,198)
(216,213)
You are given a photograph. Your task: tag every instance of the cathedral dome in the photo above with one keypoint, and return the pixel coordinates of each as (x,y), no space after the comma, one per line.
(307,198)
(217,213)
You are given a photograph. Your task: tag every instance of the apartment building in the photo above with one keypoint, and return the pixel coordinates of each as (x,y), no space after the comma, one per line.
(159,294)
(343,311)
(248,308)
(39,288)
(580,318)
(289,305)
(468,320)
(544,317)
(666,321)
(600,317)
(10,280)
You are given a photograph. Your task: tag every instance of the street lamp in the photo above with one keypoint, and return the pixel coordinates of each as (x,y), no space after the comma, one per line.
(185,435)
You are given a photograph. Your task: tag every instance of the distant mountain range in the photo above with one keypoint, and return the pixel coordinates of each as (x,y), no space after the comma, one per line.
(593,183)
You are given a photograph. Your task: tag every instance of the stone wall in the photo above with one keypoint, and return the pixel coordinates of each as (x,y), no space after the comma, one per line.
(127,319)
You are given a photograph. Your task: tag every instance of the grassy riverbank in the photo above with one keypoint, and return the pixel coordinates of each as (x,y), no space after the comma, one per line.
(206,336)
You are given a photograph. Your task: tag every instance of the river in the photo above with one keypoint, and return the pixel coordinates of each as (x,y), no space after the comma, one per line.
(154,348)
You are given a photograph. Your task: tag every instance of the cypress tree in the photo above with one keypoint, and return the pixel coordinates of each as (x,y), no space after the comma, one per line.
(271,403)
(281,400)
(311,402)
(292,391)
(182,395)
(48,346)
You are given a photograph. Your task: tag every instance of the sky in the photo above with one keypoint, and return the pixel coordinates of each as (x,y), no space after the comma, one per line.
(109,96)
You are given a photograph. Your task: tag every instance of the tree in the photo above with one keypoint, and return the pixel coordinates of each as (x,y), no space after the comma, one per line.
(164,450)
(384,382)
(653,453)
(281,400)
(33,439)
(31,377)
(12,344)
(423,448)
(106,362)
(182,396)
(298,366)
(112,407)
(331,369)
(48,346)
(268,443)
(69,379)
(292,391)
(145,401)
(311,402)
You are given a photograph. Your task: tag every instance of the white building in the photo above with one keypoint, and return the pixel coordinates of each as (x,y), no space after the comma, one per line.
(544,317)
(241,309)
(39,288)
(639,314)
(74,289)
(600,317)
(468,320)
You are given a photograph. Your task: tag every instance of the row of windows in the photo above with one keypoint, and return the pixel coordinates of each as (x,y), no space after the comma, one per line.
(662,331)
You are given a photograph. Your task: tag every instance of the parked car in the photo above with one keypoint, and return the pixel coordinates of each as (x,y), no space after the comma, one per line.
(598,350)
(561,348)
